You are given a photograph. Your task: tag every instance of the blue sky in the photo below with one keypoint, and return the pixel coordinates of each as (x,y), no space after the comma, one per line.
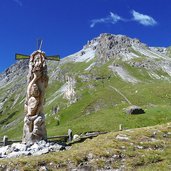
(66,25)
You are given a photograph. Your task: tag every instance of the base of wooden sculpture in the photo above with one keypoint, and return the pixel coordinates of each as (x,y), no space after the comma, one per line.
(34,129)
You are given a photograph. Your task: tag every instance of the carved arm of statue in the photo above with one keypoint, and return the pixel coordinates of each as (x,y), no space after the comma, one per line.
(36,76)
(33,95)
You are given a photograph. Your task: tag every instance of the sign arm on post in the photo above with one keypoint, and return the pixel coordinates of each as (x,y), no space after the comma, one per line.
(21,56)
(53,57)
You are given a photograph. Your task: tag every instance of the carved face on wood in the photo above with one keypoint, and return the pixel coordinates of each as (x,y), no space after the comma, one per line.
(38,62)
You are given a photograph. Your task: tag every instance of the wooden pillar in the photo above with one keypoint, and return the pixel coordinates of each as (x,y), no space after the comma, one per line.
(70,135)
(5,140)
(120,127)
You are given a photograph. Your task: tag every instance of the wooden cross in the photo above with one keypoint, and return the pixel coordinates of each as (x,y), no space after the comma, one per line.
(52,57)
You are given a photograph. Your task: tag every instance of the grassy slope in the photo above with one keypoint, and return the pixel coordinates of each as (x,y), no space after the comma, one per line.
(147,149)
(106,105)
(99,107)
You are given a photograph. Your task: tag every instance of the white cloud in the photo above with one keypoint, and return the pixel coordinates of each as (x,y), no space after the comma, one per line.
(19,2)
(112,18)
(145,20)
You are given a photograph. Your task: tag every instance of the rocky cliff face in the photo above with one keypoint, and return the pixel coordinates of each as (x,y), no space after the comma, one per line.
(17,70)
(116,46)
(12,80)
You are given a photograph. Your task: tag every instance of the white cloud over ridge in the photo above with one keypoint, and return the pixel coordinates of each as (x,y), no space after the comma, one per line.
(112,18)
(145,20)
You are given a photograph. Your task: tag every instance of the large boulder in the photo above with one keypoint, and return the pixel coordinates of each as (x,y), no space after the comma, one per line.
(134,110)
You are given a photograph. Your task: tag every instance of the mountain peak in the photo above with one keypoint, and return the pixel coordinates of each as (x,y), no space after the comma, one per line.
(118,38)
(109,45)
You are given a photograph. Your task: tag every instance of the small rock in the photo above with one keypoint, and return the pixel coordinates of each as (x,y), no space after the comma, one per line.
(82,53)
(139,147)
(47,144)
(42,143)
(43,168)
(34,147)
(3,150)
(122,137)
(90,156)
(122,147)
(18,147)
(76,137)
(18,154)
(40,152)
(56,147)
(134,110)
(116,156)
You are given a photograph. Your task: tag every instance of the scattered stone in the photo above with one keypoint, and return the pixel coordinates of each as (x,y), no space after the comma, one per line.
(42,151)
(168,134)
(134,110)
(57,147)
(116,156)
(76,137)
(82,53)
(122,137)
(43,168)
(84,168)
(15,154)
(3,151)
(34,147)
(39,148)
(90,156)
(18,147)
(139,147)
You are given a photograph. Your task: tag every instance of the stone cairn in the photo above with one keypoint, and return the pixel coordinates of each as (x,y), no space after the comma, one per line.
(34,122)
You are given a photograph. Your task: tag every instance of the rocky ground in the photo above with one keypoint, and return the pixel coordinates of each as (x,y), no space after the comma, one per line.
(144,149)
(39,148)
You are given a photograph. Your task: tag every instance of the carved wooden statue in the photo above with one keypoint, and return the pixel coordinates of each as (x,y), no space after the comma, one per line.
(34,121)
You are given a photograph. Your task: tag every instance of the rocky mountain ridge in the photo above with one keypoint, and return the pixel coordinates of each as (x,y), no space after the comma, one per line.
(105,47)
